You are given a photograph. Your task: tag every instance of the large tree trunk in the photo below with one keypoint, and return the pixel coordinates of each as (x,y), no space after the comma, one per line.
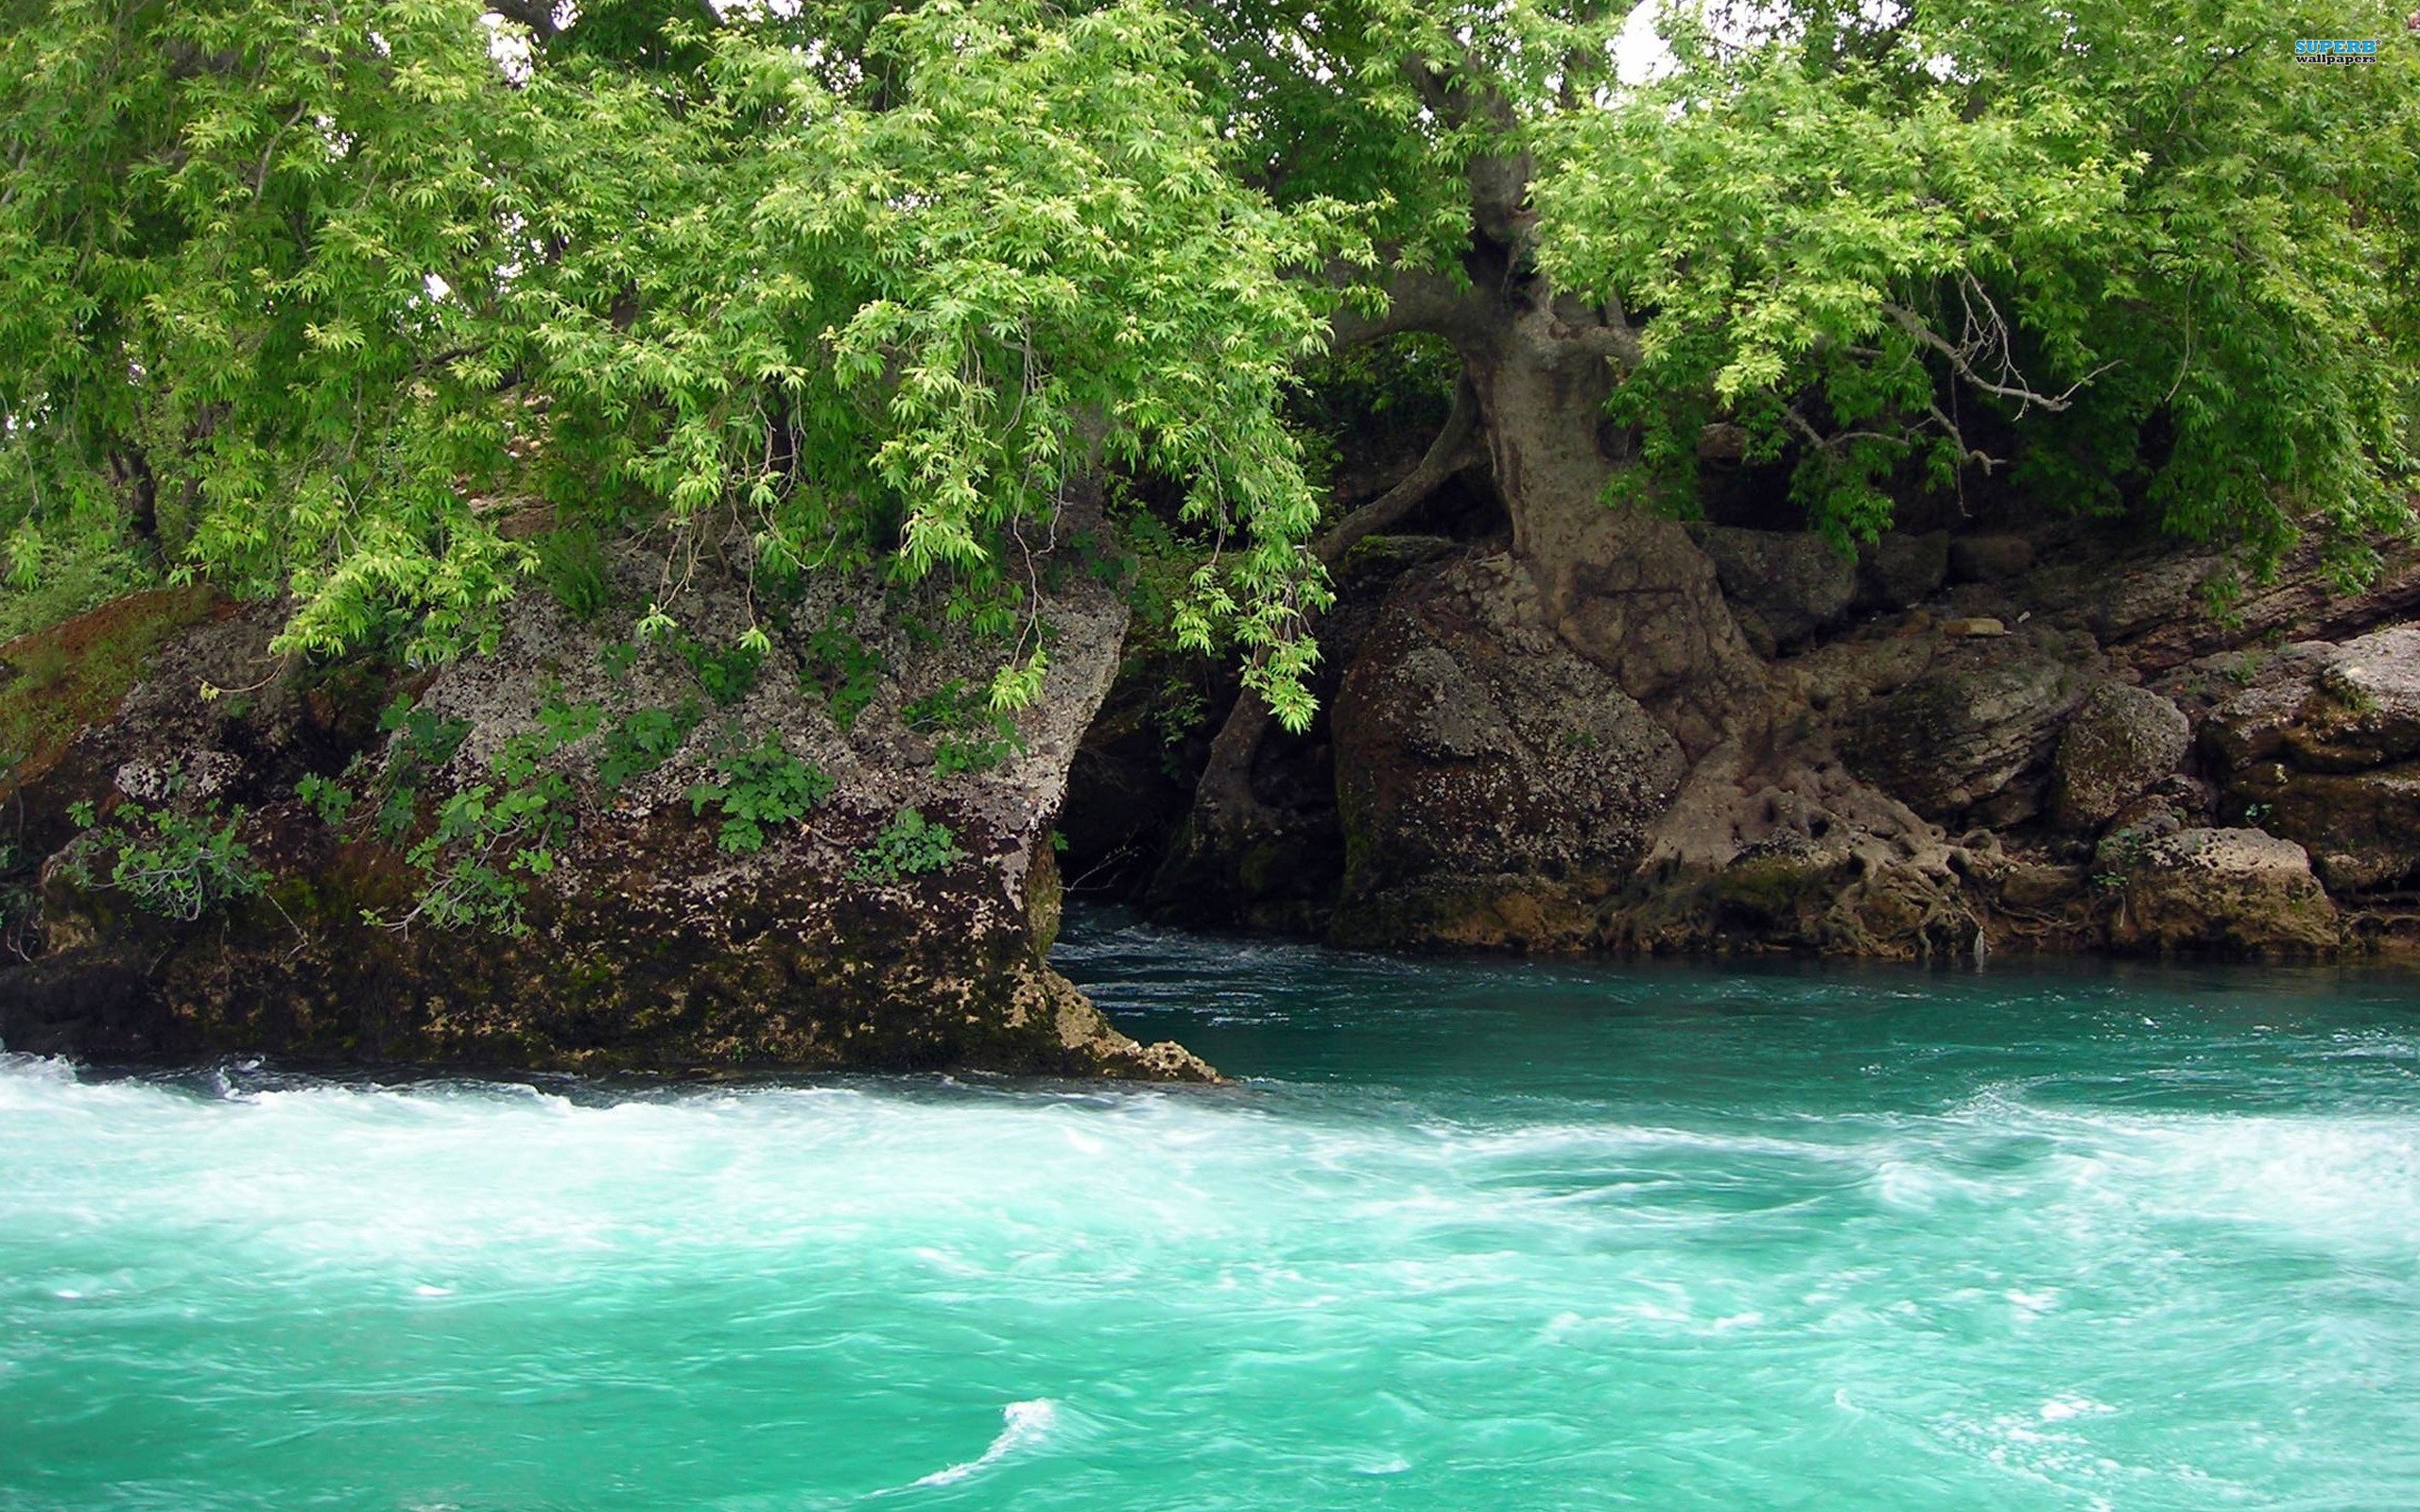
(1624,587)
(1602,637)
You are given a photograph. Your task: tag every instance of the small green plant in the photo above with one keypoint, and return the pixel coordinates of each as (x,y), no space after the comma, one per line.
(760,787)
(1178,711)
(953,754)
(910,846)
(616,658)
(572,563)
(173,865)
(490,838)
(970,735)
(642,741)
(946,707)
(422,741)
(559,724)
(326,797)
(487,842)
(842,669)
(726,673)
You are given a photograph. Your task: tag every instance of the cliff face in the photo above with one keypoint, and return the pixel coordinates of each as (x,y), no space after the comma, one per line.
(578,853)
(1956,744)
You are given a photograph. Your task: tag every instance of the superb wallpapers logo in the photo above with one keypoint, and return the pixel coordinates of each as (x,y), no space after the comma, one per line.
(2339,50)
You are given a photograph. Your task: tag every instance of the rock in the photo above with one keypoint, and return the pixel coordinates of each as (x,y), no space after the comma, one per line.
(1999,559)
(2155,613)
(1959,735)
(648,944)
(2119,744)
(2240,891)
(1792,583)
(1901,570)
(2362,828)
(1495,785)
(2367,712)
(2323,749)
(1973,627)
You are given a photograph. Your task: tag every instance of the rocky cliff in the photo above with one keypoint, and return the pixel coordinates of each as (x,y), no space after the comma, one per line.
(1955,743)
(580,851)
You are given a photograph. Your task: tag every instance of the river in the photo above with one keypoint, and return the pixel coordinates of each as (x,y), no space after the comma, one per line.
(1464,1235)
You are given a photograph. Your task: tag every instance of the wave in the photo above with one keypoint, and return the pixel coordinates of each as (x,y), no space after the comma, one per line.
(1023,1425)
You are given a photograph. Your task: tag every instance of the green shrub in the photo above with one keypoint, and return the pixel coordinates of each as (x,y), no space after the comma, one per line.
(325,798)
(910,846)
(486,842)
(421,742)
(760,787)
(169,864)
(842,669)
(642,741)
(970,735)
(572,563)
(726,673)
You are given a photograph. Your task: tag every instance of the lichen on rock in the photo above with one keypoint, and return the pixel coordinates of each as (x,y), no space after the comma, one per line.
(2122,740)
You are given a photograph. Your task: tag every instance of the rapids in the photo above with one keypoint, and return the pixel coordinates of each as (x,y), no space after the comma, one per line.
(1465,1235)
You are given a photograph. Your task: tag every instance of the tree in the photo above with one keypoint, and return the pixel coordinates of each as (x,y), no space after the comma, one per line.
(299,293)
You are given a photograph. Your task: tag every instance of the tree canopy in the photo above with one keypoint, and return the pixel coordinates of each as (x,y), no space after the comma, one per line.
(306,294)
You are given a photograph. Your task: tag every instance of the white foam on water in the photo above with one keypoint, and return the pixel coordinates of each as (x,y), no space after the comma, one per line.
(1024,1424)
(1990,1273)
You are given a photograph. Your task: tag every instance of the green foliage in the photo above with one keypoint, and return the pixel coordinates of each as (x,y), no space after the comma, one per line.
(910,846)
(643,740)
(971,734)
(424,739)
(295,298)
(878,284)
(726,673)
(760,787)
(419,742)
(487,843)
(559,724)
(2135,235)
(616,658)
(843,669)
(325,798)
(490,838)
(64,569)
(174,864)
(572,562)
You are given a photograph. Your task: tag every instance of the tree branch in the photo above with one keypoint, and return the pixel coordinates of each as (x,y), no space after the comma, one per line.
(1416,301)
(1453,450)
(538,15)
(1981,337)
(1223,800)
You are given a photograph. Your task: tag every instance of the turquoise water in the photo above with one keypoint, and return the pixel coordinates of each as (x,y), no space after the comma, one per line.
(1471,1236)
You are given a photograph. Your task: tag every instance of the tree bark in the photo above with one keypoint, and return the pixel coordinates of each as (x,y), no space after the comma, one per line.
(1623,586)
